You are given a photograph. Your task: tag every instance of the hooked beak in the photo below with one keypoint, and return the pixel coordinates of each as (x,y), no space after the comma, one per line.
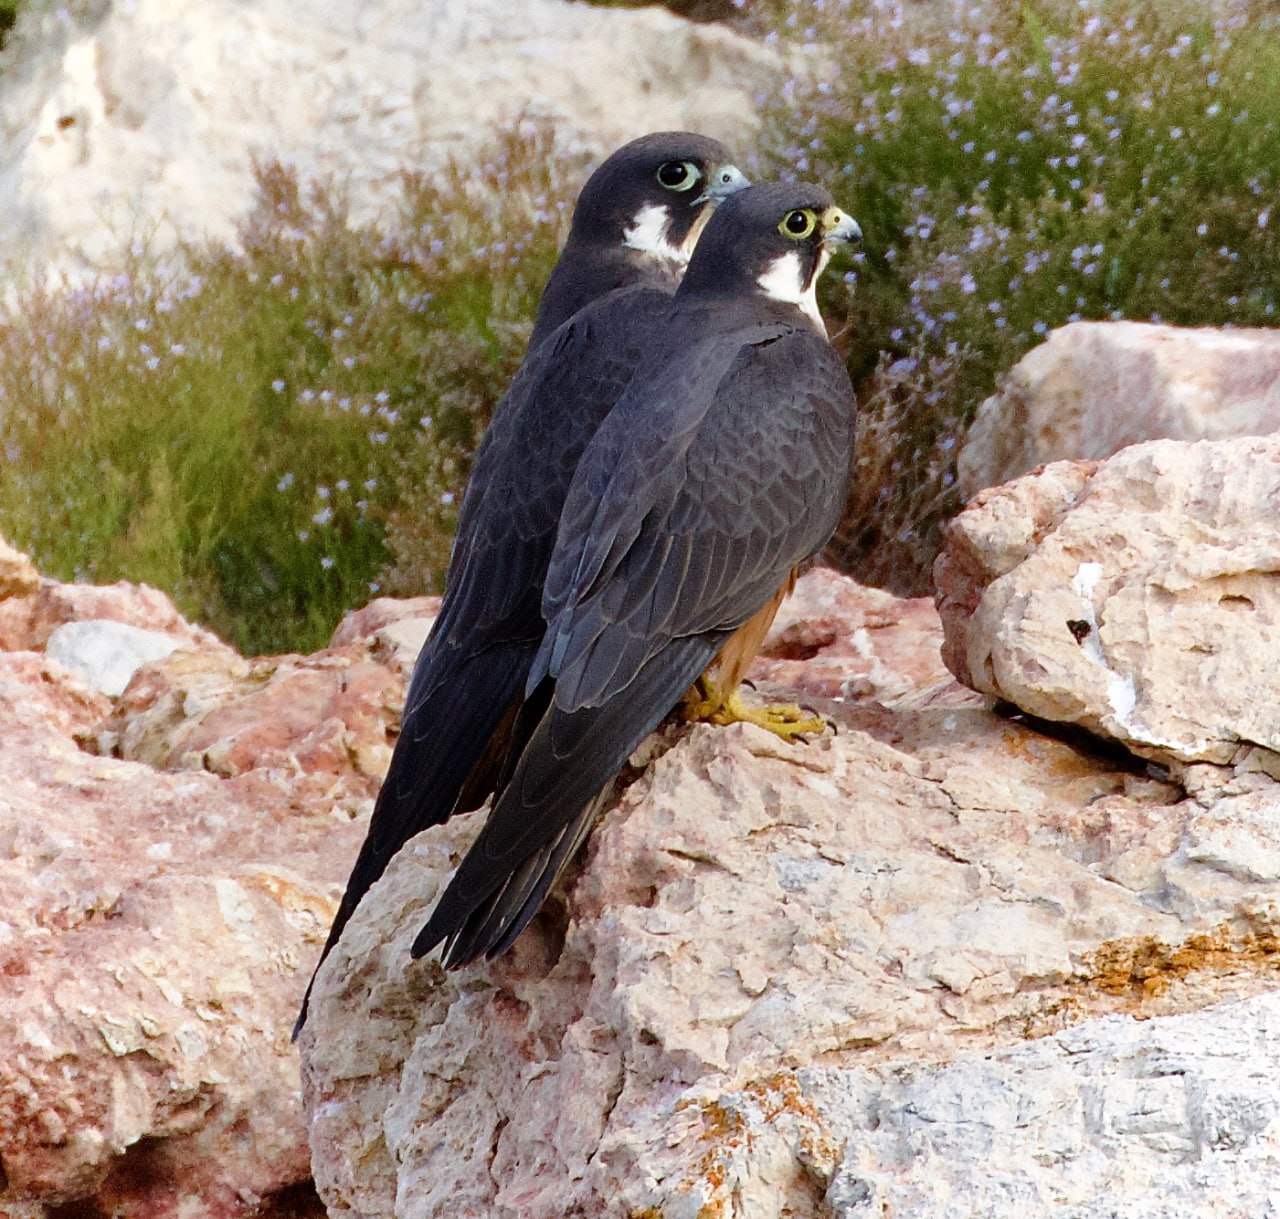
(723,181)
(839,226)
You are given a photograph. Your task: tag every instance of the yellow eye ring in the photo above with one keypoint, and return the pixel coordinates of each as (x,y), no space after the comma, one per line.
(799,224)
(678,175)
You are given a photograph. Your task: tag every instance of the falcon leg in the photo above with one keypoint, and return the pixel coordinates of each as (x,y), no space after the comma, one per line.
(708,702)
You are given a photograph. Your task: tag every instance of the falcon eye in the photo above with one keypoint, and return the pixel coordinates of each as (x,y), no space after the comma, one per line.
(799,224)
(678,175)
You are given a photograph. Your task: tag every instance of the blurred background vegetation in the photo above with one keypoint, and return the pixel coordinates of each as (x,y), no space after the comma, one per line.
(278,433)
(8,15)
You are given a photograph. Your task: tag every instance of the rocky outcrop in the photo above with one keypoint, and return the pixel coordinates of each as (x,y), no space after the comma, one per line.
(170,863)
(142,124)
(1137,598)
(939,961)
(1095,387)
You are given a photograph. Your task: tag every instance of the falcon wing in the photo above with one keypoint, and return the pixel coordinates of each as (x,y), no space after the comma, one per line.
(469,679)
(688,510)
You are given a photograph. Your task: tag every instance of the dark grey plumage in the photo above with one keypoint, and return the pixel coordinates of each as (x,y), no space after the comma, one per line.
(723,465)
(595,321)
(670,171)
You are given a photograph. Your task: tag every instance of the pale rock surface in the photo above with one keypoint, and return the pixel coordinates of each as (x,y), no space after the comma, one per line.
(1094,387)
(160,909)
(793,980)
(107,654)
(1137,598)
(142,121)
(32,609)
(777,984)
(840,640)
(1145,1120)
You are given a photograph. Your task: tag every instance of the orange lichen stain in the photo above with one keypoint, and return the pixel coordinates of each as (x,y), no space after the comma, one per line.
(727,1133)
(1055,758)
(1059,1015)
(1145,967)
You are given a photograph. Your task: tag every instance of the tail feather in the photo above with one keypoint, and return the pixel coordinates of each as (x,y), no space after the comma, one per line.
(446,761)
(544,811)
(493,928)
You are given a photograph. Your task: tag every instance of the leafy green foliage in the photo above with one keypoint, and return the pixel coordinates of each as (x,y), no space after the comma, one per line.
(275,434)
(1016,167)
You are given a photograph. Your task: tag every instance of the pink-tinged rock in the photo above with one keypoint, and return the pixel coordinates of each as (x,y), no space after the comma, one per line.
(332,715)
(161,910)
(837,639)
(760,937)
(152,932)
(1093,388)
(393,630)
(363,624)
(1137,598)
(28,618)
(37,693)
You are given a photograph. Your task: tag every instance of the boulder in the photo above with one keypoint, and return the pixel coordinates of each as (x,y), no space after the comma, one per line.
(107,654)
(31,610)
(1094,387)
(142,122)
(937,961)
(160,910)
(1136,598)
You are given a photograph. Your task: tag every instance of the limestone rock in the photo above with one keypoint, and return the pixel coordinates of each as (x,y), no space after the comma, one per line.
(107,654)
(767,949)
(31,612)
(1137,598)
(1174,1116)
(143,122)
(393,628)
(160,910)
(1095,387)
(838,639)
(782,980)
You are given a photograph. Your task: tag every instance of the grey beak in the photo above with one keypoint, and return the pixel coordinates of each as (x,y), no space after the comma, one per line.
(723,181)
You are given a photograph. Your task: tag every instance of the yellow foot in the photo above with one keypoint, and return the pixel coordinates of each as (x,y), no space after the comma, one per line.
(785,720)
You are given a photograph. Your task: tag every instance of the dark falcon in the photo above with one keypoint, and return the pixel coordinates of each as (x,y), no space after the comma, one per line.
(634,226)
(637,221)
(722,468)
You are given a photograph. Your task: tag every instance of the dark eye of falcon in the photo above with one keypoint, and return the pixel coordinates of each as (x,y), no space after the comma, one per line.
(799,224)
(678,175)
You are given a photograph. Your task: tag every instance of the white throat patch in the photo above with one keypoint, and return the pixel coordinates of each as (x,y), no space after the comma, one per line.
(648,234)
(783,281)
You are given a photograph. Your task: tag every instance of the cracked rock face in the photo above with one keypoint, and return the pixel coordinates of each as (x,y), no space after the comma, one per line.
(169,862)
(1095,387)
(899,965)
(1137,598)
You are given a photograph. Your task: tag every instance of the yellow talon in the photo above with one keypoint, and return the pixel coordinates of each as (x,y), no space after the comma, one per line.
(709,704)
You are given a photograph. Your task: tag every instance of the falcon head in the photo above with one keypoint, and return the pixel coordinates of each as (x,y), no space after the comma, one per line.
(654,195)
(771,240)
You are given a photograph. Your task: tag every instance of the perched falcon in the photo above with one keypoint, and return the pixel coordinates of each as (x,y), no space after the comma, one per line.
(723,467)
(634,227)
(636,221)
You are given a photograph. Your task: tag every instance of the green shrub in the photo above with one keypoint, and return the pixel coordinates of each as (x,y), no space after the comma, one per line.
(275,434)
(1015,167)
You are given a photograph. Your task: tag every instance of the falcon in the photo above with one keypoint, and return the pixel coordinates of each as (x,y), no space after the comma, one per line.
(635,224)
(722,468)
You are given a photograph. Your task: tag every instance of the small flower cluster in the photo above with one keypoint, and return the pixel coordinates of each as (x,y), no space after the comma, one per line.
(1020,166)
(273,435)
